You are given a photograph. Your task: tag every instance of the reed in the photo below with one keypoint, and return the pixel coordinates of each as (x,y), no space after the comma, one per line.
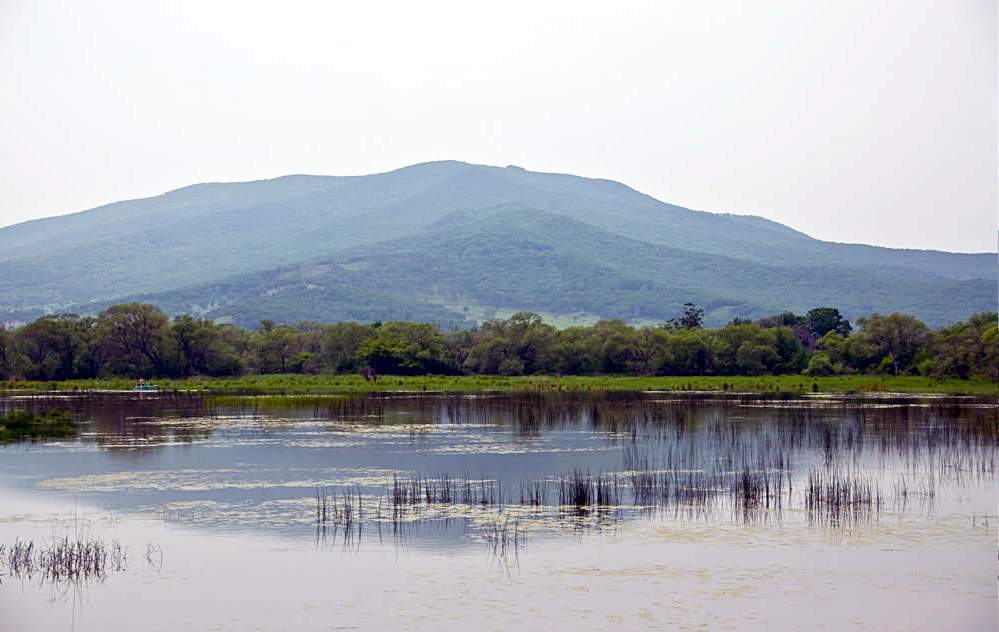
(65,559)
(502,537)
(836,499)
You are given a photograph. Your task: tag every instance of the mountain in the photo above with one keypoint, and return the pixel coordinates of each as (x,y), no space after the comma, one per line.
(510,258)
(425,241)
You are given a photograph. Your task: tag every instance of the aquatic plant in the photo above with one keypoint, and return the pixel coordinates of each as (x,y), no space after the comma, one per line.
(65,559)
(832,498)
(23,425)
(504,537)
(345,510)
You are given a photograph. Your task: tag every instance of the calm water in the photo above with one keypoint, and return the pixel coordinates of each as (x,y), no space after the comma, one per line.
(622,511)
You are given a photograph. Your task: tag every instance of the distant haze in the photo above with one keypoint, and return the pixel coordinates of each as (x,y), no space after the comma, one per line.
(872,122)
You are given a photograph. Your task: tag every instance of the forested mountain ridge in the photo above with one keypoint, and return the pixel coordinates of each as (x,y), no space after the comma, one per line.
(512,258)
(413,232)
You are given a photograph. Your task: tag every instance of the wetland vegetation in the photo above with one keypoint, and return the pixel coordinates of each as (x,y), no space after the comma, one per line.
(65,559)
(21,425)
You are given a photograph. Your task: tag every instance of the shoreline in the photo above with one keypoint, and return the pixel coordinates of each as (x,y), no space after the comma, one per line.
(299,384)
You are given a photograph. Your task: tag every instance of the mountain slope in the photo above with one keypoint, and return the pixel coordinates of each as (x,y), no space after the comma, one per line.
(510,258)
(210,232)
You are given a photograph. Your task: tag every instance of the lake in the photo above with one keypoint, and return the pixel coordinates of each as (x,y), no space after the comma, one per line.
(559,511)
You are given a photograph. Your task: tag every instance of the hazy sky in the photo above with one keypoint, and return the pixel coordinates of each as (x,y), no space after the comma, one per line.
(860,121)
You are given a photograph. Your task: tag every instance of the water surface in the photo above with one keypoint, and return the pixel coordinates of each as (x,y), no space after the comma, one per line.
(500,511)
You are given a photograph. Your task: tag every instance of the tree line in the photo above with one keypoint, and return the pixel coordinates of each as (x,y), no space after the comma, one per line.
(139,340)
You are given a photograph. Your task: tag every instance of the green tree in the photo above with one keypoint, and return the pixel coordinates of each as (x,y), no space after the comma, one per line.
(12,361)
(340,344)
(748,348)
(521,344)
(202,350)
(57,347)
(894,340)
(133,339)
(457,345)
(404,348)
(618,346)
(754,358)
(575,352)
(276,348)
(791,354)
(784,319)
(650,346)
(964,349)
(822,320)
(799,325)
(686,352)
(820,364)
(39,342)
(990,361)
(691,318)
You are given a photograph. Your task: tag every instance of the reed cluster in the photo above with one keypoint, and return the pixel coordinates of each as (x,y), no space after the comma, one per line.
(65,559)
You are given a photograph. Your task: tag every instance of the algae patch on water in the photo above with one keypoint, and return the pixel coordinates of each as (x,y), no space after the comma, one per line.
(214,479)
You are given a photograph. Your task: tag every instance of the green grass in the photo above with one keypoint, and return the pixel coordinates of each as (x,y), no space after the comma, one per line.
(21,425)
(331,384)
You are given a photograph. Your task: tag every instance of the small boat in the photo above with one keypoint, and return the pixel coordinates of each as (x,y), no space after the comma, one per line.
(145,388)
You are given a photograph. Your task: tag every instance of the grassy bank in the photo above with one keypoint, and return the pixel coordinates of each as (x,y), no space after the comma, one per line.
(320,384)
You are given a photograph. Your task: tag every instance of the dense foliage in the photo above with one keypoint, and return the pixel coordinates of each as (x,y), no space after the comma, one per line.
(139,340)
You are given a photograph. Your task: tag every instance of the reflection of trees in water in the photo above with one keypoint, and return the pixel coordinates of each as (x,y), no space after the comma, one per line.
(696,453)
(704,456)
(130,421)
(946,430)
(840,462)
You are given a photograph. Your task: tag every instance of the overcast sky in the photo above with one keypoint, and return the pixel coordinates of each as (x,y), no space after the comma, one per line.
(864,121)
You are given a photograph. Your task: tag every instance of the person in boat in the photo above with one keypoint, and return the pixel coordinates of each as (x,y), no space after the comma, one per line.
(141,383)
